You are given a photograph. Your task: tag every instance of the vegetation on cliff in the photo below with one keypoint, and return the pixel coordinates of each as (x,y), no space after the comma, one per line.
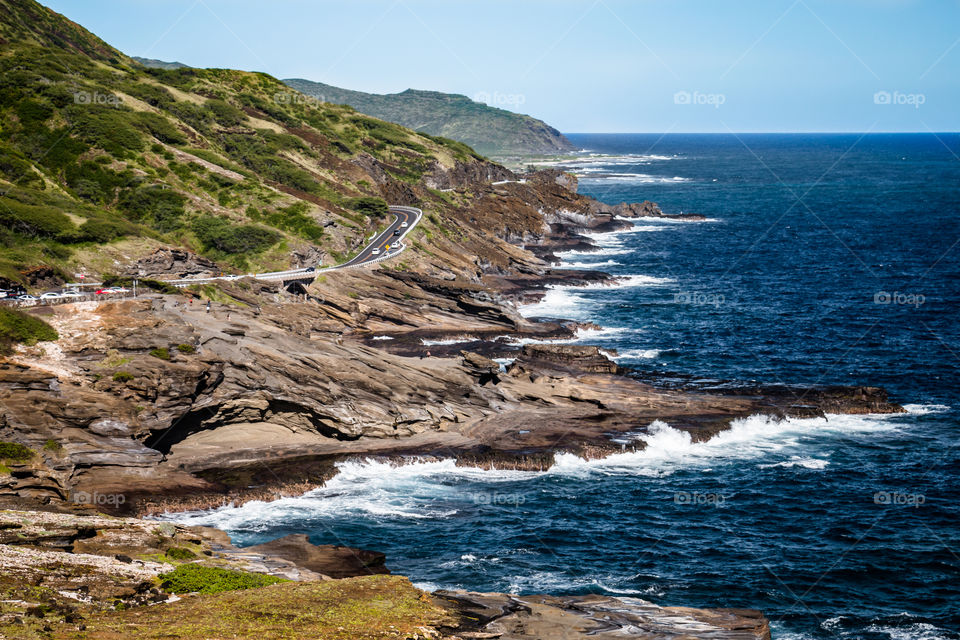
(489,130)
(97,150)
(18,327)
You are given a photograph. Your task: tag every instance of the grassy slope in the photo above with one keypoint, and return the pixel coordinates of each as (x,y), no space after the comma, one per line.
(366,608)
(101,156)
(487,129)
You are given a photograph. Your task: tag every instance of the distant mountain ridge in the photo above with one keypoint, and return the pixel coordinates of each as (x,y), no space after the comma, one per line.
(152,63)
(489,130)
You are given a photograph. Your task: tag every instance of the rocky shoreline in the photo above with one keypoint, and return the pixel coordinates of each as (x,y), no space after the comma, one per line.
(161,404)
(69,572)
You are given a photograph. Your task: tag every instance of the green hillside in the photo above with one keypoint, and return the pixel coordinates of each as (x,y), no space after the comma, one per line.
(103,160)
(491,131)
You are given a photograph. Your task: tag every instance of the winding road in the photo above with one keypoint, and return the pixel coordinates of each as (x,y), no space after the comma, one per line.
(406,219)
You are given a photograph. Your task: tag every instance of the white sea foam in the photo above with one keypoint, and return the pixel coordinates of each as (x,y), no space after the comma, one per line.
(580,335)
(651,219)
(600,251)
(554,581)
(924,409)
(589,265)
(432,489)
(448,341)
(915,631)
(632,354)
(757,437)
(558,302)
(630,178)
(362,489)
(798,461)
(561,301)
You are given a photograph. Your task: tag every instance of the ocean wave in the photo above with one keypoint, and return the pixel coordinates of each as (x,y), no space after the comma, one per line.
(448,341)
(798,461)
(580,335)
(649,219)
(632,354)
(600,251)
(589,265)
(915,631)
(558,581)
(561,301)
(924,409)
(668,449)
(440,489)
(362,489)
(631,178)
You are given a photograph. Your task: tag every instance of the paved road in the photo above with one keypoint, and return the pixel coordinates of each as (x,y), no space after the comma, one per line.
(409,215)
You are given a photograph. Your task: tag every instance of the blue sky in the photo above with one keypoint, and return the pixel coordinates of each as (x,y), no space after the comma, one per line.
(587,65)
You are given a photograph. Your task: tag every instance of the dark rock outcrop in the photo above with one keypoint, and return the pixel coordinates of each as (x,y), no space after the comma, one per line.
(329,560)
(511,617)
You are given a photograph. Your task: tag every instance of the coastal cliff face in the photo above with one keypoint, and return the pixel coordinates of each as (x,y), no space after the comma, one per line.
(72,573)
(242,390)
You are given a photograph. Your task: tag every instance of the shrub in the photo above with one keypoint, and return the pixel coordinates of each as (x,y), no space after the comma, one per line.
(18,327)
(122,376)
(31,220)
(180,553)
(185,348)
(104,230)
(52,445)
(160,128)
(161,352)
(221,235)
(295,220)
(162,207)
(225,113)
(369,205)
(194,578)
(14,451)
(109,128)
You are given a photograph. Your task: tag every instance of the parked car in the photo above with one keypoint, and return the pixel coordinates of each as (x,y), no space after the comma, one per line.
(27,297)
(71,294)
(51,295)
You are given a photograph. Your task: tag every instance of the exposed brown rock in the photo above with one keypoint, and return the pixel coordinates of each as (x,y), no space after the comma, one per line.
(330,560)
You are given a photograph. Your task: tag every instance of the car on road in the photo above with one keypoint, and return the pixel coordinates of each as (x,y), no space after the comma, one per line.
(404,225)
(51,295)
(310,269)
(397,232)
(375,252)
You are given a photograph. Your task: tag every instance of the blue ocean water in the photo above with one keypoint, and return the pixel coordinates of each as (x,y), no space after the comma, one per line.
(825,259)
